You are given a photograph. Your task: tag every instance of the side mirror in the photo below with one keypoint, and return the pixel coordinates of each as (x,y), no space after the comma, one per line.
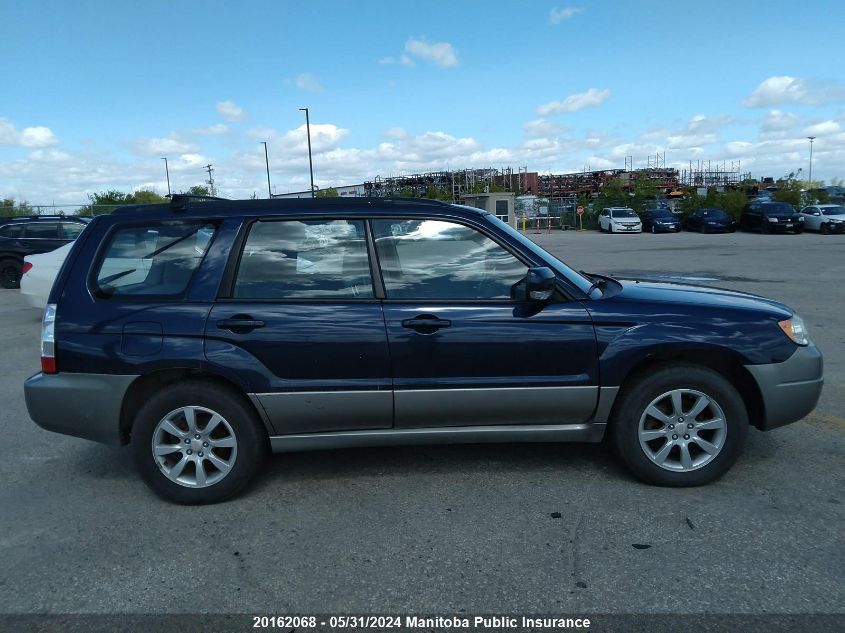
(540,283)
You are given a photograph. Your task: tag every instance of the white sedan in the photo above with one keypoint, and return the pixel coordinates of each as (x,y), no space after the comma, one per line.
(39,272)
(619,220)
(825,218)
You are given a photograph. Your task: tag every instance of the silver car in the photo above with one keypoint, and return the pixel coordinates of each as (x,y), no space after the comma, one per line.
(825,218)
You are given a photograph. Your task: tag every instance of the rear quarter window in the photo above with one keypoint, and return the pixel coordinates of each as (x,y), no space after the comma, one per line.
(152,260)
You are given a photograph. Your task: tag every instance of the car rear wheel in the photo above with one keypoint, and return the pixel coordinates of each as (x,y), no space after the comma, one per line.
(683,425)
(197,442)
(10,274)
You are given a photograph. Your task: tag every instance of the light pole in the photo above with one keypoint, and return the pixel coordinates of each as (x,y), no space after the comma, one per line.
(310,164)
(267,163)
(811,138)
(166,171)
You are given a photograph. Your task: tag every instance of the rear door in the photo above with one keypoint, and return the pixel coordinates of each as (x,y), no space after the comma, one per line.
(302,324)
(463,351)
(42,237)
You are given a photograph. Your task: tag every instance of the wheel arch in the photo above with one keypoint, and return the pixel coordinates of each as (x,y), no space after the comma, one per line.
(722,362)
(144,386)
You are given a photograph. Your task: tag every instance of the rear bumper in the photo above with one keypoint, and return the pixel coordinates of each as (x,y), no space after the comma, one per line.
(790,389)
(82,405)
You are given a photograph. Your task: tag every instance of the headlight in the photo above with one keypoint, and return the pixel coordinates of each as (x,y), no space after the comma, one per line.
(773,219)
(795,329)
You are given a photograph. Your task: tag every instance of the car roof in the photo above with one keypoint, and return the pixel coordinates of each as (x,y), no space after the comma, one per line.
(361,207)
(40,218)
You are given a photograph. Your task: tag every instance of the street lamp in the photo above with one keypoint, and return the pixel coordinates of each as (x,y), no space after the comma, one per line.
(267,163)
(310,164)
(166,171)
(811,138)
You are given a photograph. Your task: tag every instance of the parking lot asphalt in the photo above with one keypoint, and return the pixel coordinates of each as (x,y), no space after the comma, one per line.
(453,529)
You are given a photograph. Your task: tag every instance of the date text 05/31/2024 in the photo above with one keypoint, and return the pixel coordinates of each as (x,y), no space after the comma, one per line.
(420,622)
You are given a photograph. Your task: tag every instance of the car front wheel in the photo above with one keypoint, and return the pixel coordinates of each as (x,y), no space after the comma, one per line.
(682,425)
(197,442)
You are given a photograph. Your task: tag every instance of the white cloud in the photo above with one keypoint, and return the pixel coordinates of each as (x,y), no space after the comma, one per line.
(37,136)
(211,130)
(779,120)
(590,99)
(439,53)
(825,128)
(556,16)
(542,128)
(396,133)
(163,146)
(308,82)
(231,111)
(785,89)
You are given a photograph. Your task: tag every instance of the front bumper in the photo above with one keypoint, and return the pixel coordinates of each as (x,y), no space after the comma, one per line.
(790,389)
(82,405)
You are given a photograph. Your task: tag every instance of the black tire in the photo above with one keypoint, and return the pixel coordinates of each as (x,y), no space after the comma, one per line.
(705,229)
(798,230)
(653,230)
(250,435)
(764,227)
(825,229)
(10,273)
(641,391)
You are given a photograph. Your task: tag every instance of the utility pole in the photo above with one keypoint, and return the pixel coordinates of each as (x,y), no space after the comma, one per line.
(210,181)
(811,138)
(166,171)
(310,164)
(267,163)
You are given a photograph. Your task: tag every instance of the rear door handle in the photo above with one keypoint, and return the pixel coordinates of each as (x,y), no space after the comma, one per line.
(239,324)
(426,322)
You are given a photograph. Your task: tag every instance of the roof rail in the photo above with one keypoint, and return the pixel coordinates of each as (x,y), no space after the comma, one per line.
(181,200)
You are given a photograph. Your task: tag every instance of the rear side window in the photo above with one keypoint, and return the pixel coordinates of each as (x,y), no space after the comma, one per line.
(309,259)
(152,260)
(42,230)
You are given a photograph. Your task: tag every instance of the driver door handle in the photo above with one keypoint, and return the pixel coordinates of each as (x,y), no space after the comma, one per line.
(426,322)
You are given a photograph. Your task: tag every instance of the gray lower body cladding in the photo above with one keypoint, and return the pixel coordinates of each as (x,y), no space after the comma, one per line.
(790,389)
(82,405)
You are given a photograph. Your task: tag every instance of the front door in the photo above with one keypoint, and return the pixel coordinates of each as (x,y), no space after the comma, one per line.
(463,351)
(303,326)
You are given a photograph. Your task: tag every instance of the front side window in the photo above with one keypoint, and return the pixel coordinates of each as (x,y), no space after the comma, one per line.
(70,230)
(305,259)
(433,259)
(152,260)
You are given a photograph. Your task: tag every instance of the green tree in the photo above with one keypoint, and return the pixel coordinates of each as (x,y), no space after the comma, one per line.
(790,192)
(10,208)
(330,192)
(144,196)
(198,190)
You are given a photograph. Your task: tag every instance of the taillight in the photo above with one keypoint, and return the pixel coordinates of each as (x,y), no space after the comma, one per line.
(26,268)
(48,340)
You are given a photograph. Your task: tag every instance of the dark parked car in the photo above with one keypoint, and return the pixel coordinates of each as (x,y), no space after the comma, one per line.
(660,220)
(710,221)
(768,217)
(206,335)
(30,235)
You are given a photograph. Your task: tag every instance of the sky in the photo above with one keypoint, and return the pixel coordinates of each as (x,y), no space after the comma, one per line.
(97,92)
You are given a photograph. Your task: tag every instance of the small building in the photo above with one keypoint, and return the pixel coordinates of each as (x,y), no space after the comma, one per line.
(500,204)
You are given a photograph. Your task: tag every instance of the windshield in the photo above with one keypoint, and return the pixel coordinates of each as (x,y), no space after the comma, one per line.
(714,213)
(661,213)
(834,211)
(576,278)
(777,207)
(622,213)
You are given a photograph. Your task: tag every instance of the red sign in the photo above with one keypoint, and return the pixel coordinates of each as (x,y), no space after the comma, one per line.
(580,210)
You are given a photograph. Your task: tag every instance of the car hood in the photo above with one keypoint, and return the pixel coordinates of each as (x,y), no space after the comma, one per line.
(704,296)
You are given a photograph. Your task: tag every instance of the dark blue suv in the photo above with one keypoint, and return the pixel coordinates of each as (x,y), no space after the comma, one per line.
(208,333)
